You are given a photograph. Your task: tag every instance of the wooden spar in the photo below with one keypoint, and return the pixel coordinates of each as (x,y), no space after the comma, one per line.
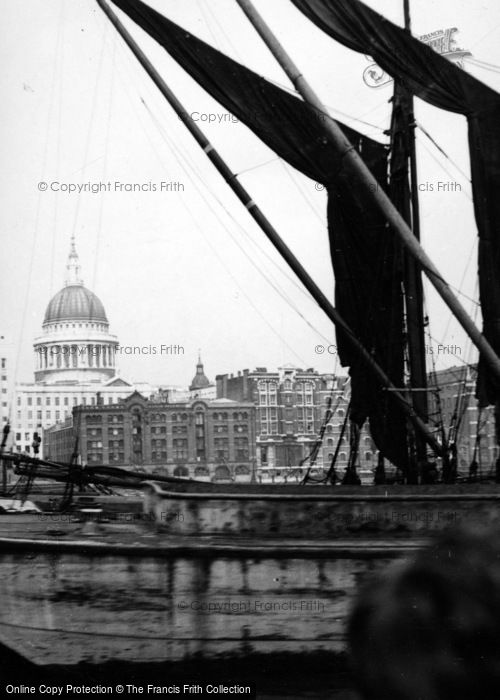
(62,471)
(268,228)
(355,166)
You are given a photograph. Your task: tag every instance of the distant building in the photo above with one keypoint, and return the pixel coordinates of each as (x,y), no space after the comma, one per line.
(202,439)
(201,387)
(336,394)
(291,408)
(288,411)
(6,385)
(75,359)
(453,404)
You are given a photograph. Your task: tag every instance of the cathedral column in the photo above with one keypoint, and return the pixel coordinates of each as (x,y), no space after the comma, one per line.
(82,356)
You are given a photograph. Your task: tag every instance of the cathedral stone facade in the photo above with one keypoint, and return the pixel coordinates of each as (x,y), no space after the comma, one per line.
(75,361)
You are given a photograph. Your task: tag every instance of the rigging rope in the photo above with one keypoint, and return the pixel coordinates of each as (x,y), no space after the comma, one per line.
(441,150)
(34,246)
(319,441)
(180,156)
(104,165)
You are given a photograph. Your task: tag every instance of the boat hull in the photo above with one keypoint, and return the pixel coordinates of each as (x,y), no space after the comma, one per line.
(209,574)
(61,606)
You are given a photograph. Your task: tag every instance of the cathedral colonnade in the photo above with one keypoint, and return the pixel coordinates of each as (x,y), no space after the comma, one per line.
(68,355)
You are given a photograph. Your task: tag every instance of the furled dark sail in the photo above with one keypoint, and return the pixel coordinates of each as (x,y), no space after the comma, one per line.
(368,293)
(437,81)
(366,272)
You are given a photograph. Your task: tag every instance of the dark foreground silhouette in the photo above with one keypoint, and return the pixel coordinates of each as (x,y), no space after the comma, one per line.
(430,629)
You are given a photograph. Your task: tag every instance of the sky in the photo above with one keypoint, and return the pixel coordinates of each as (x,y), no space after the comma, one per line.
(188,266)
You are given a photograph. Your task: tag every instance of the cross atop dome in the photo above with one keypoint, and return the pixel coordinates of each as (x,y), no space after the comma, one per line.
(73,265)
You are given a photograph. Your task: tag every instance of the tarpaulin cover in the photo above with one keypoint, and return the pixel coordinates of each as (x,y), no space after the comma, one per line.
(368,280)
(437,81)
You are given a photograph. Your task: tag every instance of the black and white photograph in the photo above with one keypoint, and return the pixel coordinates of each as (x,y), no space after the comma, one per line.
(250,349)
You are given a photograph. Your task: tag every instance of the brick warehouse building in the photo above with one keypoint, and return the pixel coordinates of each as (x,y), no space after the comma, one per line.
(286,432)
(471,427)
(291,406)
(203,439)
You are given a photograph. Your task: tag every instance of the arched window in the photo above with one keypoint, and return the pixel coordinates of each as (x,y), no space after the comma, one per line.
(222,473)
(181,472)
(368,456)
(342,457)
(329,442)
(241,470)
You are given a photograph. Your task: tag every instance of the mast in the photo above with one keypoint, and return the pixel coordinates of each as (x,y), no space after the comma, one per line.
(356,167)
(268,229)
(414,298)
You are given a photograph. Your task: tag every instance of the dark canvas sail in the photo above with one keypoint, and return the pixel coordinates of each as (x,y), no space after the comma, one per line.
(437,81)
(362,253)
(368,293)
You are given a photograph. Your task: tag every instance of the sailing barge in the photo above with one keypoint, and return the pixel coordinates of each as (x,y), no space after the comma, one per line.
(238,573)
(254,571)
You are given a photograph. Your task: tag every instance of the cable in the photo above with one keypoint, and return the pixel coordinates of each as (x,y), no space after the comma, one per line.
(466,194)
(105,164)
(485,66)
(200,5)
(34,245)
(59,53)
(173,147)
(306,199)
(178,157)
(434,142)
(91,121)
